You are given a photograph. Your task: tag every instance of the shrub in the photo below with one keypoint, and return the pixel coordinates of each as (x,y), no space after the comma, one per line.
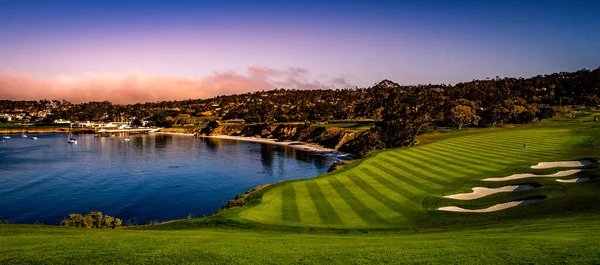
(91,220)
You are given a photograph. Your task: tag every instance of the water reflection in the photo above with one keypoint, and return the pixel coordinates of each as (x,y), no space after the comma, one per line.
(149,177)
(267,157)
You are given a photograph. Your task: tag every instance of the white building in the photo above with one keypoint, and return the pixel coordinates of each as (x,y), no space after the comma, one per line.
(61,121)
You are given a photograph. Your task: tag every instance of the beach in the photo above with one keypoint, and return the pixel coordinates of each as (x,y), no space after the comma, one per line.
(328,152)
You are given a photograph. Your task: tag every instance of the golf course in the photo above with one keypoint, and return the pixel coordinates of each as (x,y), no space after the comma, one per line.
(385,208)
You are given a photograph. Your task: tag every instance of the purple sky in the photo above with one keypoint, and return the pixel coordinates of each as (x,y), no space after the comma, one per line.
(164,50)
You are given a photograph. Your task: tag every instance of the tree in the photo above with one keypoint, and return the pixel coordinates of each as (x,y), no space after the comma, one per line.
(137,122)
(592,101)
(462,115)
(3,119)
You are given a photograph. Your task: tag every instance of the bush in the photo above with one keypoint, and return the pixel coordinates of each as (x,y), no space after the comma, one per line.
(91,220)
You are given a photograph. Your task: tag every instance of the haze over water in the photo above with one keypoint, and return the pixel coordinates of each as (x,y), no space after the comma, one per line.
(151,177)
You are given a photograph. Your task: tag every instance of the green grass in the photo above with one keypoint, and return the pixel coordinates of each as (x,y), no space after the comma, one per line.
(388,190)
(355,126)
(381,209)
(573,239)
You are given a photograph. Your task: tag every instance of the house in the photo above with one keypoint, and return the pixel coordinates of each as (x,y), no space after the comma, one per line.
(82,124)
(61,121)
(104,125)
(99,124)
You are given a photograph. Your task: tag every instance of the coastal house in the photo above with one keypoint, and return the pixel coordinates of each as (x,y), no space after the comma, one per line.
(82,124)
(104,125)
(98,124)
(61,121)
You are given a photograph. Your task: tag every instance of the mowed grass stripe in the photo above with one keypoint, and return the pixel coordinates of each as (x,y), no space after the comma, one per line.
(435,161)
(518,136)
(433,166)
(500,152)
(503,146)
(348,215)
(383,194)
(541,140)
(403,176)
(357,205)
(464,161)
(488,147)
(375,205)
(401,160)
(392,204)
(289,209)
(407,193)
(306,208)
(496,157)
(467,154)
(511,142)
(326,212)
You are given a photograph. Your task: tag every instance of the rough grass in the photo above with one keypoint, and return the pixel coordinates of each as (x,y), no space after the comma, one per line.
(573,239)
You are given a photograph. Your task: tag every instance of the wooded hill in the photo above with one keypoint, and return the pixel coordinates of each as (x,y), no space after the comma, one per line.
(400,112)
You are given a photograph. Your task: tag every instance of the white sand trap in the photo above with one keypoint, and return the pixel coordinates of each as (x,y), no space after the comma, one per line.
(479,192)
(494,208)
(581,163)
(577,180)
(524,176)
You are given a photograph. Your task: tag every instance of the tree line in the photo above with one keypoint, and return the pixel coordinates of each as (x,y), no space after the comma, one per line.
(401,112)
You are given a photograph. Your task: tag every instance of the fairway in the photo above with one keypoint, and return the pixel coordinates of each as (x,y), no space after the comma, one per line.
(388,189)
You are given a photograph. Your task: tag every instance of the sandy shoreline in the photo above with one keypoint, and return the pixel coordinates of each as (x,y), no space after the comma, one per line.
(328,152)
(175,133)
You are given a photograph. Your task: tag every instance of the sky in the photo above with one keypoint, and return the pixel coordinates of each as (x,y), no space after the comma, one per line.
(144,50)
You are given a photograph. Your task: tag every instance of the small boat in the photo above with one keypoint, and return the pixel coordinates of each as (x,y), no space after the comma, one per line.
(33,138)
(72,139)
(23,133)
(5,137)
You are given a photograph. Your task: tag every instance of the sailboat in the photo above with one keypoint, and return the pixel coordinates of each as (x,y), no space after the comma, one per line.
(23,133)
(5,136)
(72,139)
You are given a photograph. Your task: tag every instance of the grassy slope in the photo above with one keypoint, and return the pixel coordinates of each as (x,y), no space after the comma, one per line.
(401,188)
(396,189)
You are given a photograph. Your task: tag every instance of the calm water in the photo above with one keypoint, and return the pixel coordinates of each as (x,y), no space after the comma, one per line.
(151,177)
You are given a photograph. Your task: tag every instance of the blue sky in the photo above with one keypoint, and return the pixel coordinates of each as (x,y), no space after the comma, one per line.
(361,42)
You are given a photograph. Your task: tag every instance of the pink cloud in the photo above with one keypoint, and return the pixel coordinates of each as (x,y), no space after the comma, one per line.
(137,86)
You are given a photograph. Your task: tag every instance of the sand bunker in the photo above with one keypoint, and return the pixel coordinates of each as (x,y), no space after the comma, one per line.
(581,163)
(494,208)
(479,192)
(523,176)
(577,180)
